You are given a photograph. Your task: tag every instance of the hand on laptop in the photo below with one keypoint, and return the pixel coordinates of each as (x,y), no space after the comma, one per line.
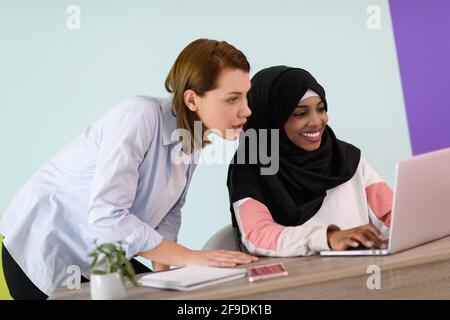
(367,236)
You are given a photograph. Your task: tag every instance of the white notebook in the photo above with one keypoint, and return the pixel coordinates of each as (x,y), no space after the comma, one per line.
(190,278)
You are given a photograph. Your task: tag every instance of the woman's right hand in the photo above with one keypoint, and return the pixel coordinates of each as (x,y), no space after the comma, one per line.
(219,258)
(367,236)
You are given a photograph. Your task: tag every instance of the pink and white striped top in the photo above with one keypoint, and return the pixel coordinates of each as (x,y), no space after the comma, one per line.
(364,198)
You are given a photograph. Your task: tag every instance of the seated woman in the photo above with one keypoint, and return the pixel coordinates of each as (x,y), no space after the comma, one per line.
(324,196)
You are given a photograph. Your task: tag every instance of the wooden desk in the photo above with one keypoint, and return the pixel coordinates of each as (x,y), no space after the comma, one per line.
(418,273)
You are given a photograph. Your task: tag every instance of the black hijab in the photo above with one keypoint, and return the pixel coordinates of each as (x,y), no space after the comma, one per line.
(296,192)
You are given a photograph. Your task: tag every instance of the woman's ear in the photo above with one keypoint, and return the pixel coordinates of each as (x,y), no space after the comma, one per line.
(190,100)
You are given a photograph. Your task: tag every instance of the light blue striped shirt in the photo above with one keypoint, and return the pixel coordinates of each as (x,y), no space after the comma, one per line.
(114,182)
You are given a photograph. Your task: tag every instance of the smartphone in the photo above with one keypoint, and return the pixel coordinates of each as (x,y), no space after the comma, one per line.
(267,271)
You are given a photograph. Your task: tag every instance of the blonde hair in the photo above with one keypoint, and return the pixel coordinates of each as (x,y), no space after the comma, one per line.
(197,68)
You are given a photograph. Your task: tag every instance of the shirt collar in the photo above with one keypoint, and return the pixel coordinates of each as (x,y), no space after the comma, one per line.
(170,124)
(169,121)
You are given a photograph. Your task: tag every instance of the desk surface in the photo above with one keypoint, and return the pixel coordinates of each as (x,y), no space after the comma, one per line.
(307,272)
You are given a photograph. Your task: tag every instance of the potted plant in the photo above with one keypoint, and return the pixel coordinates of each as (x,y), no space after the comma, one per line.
(108,269)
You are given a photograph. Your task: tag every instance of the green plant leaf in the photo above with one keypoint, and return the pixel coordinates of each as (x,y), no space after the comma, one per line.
(99,272)
(109,247)
(112,258)
(129,270)
(101,262)
(94,262)
(130,277)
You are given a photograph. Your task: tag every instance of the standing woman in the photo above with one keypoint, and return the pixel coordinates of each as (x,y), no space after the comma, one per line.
(324,196)
(118,181)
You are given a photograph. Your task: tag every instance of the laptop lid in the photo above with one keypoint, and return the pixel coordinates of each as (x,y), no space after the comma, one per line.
(421,208)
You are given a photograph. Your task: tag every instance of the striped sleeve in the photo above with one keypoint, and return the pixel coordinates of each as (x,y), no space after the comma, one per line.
(261,235)
(379,199)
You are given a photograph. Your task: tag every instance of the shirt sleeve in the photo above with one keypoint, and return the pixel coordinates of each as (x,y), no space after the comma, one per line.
(126,135)
(261,235)
(379,199)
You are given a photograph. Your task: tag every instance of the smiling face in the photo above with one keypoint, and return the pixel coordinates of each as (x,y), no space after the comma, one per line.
(223,109)
(307,123)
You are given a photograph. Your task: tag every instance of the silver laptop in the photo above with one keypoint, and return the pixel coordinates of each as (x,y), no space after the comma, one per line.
(421,208)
